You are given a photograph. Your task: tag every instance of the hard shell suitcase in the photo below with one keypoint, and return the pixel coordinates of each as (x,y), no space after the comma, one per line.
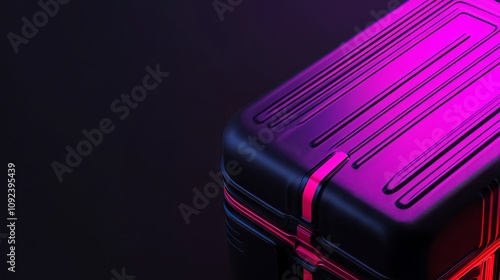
(380,161)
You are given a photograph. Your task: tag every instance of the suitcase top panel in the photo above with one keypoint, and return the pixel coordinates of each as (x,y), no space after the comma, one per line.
(407,117)
(412,100)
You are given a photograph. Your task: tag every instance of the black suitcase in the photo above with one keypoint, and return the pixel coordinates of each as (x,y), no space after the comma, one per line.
(380,161)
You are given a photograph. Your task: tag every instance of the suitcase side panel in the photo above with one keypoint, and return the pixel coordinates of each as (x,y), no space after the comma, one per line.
(373,101)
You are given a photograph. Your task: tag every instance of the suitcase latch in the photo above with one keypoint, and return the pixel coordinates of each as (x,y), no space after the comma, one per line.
(303,247)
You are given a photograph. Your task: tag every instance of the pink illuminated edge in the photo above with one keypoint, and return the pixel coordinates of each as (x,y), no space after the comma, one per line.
(307,275)
(314,182)
(297,242)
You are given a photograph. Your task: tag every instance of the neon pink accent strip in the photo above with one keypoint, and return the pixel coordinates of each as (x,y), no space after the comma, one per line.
(307,275)
(288,238)
(314,181)
(298,242)
(303,234)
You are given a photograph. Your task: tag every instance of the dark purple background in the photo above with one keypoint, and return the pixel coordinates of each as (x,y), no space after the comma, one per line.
(119,208)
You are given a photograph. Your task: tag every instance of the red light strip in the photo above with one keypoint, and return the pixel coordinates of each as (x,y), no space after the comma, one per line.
(485,261)
(487,257)
(307,275)
(299,242)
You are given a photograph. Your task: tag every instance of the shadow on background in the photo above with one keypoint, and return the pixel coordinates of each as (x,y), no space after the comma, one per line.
(117,212)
